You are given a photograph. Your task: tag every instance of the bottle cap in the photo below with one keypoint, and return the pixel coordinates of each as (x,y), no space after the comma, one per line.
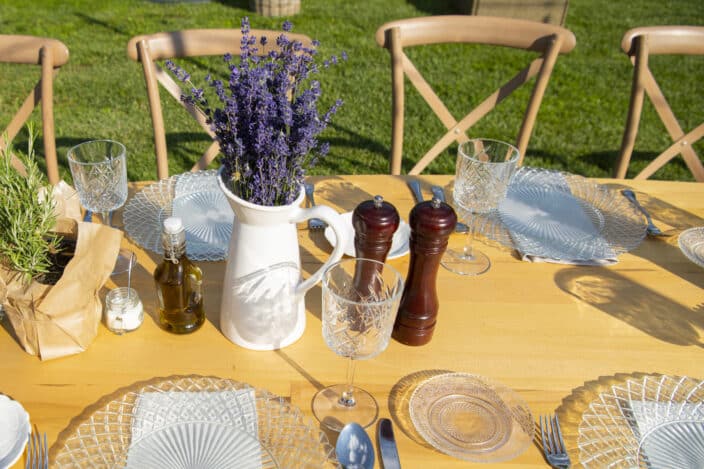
(173,225)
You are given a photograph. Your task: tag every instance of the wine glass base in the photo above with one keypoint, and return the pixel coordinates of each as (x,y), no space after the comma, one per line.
(460,263)
(334,415)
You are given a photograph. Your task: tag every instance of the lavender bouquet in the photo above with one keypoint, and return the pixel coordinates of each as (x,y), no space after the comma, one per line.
(268,120)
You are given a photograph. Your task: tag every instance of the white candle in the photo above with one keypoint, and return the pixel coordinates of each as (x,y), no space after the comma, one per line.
(123,310)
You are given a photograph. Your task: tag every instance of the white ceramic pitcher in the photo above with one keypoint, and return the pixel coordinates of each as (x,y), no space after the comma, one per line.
(263,293)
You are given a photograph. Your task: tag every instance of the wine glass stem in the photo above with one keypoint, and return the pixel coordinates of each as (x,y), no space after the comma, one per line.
(468,248)
(106,217)
(347,396)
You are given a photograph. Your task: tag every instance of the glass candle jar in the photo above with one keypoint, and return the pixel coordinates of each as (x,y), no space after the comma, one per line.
(123,310)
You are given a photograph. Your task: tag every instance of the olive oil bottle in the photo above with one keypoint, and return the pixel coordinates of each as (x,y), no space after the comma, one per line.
(178,283)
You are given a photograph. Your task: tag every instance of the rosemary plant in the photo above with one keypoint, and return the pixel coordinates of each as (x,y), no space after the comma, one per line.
(26,222)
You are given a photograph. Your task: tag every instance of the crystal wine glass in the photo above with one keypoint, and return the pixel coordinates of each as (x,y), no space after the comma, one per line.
(360,302)
(483,171)
(99,173)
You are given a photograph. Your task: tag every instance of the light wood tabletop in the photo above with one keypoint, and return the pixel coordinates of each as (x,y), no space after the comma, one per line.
(555,334)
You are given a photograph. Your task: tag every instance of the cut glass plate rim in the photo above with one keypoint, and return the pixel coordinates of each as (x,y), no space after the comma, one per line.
(613,428)
(399,244)
(101,435)
(623,226)
(691,243)
(10,409)
(444,388)
(146,211)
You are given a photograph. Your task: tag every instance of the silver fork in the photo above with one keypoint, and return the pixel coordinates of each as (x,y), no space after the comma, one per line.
(313,223)
(652,230)
(440,194)
(553,444)
(37,452)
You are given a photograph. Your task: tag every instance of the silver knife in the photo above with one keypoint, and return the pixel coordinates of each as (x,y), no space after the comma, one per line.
(387,445)
(439,193)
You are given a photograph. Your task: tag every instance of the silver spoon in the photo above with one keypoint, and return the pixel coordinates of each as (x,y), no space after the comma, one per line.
(651,229)
(354,449)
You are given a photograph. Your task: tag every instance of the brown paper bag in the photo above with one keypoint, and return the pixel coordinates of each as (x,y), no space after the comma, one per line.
(53,321)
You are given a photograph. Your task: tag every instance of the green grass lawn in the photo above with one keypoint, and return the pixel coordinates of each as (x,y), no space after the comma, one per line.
(100,92)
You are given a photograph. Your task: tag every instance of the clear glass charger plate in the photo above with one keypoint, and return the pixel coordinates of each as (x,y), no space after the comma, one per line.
(630,425)
(691,244)
(198,200)
(103,434)
(607,225)
(469,417)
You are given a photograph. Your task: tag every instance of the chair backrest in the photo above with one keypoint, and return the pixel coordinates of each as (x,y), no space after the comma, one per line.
(547,40)
(150,48)
(639,44)
(50,55)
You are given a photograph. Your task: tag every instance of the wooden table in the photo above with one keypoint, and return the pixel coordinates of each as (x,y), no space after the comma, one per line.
(556,334)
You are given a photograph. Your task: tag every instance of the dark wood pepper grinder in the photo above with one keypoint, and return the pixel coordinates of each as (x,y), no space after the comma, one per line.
(431,224)
(375,222)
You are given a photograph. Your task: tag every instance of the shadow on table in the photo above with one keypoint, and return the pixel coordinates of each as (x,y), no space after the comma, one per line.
(672,220)
(634,304)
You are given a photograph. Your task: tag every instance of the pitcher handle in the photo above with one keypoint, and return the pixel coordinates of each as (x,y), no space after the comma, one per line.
(334,221)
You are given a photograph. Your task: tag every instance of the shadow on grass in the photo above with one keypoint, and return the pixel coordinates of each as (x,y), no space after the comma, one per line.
(339,163)
(97,22)
(438,7)
(244,4)
(675,169)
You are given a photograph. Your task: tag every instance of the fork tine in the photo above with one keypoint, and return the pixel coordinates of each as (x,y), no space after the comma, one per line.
(558,432)
(32,452)
(36,450)
(542,434)
(554,445)
(46,453)
(28,457)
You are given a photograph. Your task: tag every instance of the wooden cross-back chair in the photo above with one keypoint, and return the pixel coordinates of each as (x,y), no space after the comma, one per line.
(547,40)
(640,44)
(49,54)
(151,48)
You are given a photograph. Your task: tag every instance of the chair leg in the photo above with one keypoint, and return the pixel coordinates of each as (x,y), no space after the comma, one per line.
(635,108)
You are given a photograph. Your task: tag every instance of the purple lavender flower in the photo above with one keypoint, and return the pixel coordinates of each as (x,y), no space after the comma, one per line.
(267,119)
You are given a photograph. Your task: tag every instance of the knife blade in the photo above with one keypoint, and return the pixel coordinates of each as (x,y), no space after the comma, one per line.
(387,445)
(439,193)
(415,188)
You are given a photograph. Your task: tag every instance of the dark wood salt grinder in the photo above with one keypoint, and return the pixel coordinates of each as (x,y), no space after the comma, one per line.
(431,224)
(375,222)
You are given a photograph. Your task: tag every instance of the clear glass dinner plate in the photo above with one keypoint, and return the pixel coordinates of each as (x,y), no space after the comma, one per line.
(105,434)
(629,425)
(469,417)
(197,199)
(678,444)
(14,430)
(187,445)
(399,242)
(691,244)
(558,215)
